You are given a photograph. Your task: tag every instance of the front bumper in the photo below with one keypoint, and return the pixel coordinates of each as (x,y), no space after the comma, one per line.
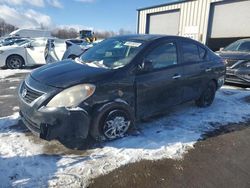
(53,123)
(58,123)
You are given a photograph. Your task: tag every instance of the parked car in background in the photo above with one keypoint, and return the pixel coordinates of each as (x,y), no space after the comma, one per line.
(75,50)
(237,61)
(115,82)
(8,39)
(24,54)
(14,42)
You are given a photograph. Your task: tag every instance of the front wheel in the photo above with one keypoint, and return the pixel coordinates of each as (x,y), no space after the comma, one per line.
(112,124)
(14,62)
(115,124)
(207,97)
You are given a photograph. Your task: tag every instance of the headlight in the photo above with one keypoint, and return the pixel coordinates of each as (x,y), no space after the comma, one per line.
(72,96)
(1,51)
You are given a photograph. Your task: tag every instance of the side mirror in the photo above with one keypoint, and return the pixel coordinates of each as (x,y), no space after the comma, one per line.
(146,65)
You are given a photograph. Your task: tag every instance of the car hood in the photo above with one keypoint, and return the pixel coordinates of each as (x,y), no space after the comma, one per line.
(68,73)
(234,55)
(5,48)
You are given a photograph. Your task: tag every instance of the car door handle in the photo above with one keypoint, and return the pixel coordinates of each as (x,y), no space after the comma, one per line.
(208,70)
(176,76)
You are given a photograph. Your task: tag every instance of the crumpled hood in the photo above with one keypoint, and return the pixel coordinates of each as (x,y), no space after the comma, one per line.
(68,73)
(234,55)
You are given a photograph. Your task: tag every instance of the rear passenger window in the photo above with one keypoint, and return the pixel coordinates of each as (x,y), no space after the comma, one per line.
(192,53)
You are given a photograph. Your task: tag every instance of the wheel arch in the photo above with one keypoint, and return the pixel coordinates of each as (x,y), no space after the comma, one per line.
(215,82)
(100,110)
(15,55)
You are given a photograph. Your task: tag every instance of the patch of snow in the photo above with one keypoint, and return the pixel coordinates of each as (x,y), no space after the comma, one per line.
(24,163)
(9,72)
(6,96)
(15,108)
(6,122)
(12,87)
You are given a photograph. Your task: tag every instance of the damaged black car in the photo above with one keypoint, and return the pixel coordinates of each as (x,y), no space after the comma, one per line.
(115,83)
(237,61)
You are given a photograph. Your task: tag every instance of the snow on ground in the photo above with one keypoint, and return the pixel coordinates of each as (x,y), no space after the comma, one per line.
(9,72)
(24,163)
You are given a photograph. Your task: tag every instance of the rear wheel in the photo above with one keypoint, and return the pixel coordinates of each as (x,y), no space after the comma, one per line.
(14,62)
(207,97)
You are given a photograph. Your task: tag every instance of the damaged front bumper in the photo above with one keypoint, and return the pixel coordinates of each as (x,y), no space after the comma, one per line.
(238,76)
(56,123)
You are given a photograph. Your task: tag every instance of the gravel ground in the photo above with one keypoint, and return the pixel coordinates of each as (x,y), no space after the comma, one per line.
(8,94)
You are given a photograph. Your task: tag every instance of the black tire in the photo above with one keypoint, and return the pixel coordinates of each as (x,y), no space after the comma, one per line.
(207,97)
(116,118)
(14,62)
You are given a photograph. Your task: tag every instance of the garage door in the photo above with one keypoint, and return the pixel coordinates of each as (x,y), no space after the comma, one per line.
(229,20)
(163,23)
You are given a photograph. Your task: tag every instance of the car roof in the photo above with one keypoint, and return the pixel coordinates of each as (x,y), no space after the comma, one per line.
(149,37)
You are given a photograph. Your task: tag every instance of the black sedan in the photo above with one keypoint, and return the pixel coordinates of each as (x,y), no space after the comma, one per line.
(237,61)
(116,82)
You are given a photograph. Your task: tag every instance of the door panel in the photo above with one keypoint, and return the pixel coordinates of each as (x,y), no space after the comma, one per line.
(159,87)
(193,80)
(157,91)
(35,53)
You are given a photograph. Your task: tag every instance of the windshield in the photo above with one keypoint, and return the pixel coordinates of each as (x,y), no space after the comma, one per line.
(23,43)
(112,53)
(240,45)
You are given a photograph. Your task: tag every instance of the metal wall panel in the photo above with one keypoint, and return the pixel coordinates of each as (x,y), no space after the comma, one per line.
(194,17)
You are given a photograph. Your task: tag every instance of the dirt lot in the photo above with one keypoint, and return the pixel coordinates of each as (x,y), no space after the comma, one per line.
(219,161)
(8,94)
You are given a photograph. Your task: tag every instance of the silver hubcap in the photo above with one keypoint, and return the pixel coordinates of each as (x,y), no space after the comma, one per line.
(15,63)
(116,127)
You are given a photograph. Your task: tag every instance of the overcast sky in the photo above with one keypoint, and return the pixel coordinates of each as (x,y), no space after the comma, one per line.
(95,14)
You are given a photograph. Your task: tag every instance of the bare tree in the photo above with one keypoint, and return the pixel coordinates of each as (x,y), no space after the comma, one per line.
(6,28)
(65,33)
(124,32)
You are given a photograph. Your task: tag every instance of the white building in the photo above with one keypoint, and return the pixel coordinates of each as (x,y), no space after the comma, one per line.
(213,22)
(31,33)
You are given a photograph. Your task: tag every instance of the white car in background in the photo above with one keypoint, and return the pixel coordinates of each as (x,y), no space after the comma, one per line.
(76,47)
(26,54)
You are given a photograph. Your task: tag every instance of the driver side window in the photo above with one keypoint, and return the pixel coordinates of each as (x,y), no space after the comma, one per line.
(163,56)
